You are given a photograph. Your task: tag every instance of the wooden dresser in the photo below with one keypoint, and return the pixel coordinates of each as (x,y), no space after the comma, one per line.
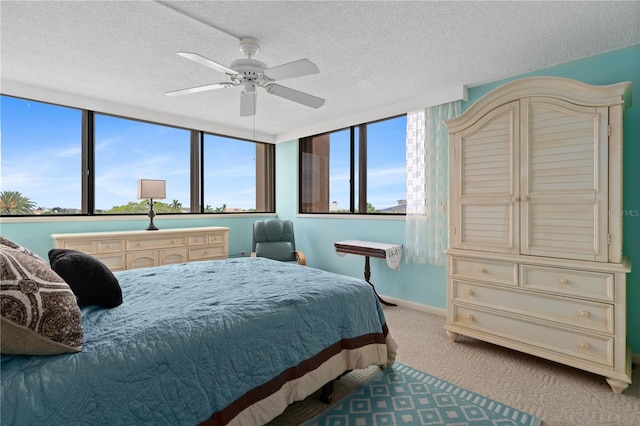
(122,250)
(535,240)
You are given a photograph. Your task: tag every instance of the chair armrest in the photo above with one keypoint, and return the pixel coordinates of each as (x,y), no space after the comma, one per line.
(300,257)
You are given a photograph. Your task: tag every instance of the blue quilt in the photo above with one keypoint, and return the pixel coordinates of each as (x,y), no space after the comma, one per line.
(193,342)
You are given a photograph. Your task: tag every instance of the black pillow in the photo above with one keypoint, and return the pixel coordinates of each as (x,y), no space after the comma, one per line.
(90,280)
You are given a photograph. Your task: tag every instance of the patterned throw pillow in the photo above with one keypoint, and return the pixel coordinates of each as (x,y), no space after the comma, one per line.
(40,315)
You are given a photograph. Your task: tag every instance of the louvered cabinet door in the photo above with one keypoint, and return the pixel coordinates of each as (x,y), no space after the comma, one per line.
(564,192)
(485,183)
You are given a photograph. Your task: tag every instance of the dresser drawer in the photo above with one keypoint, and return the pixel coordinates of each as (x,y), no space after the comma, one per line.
(142,259)
(592,316)
(198,239)
(115,261)
(109,246)
(485,270)
(156,243)
(172,256)
(208,252)
(571,282)
(83,246)
(217,237)
(586,346)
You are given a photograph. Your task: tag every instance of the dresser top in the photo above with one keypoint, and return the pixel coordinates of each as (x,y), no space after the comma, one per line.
(112,234)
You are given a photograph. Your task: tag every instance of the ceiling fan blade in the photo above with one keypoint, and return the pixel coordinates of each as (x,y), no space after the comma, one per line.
(207,62)
(295,95)
(293,69)
(198,89)
(247,104)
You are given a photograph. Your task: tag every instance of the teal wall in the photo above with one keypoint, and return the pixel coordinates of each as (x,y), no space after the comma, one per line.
(421,284)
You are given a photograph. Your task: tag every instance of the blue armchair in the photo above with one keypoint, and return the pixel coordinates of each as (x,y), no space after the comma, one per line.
(273,238)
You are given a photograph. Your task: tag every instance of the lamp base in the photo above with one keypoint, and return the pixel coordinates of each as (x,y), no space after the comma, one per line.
(151,215)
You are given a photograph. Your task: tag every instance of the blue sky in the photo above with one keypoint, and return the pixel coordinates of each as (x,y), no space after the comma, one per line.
(42,164)
(41,158)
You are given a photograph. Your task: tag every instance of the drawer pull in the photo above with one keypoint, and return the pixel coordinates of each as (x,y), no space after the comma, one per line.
(469,292)
(482,271)
(584,314)
(563,281)
(470,317)
(584,345)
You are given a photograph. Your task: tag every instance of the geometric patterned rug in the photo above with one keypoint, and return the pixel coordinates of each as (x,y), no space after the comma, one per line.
(402,395)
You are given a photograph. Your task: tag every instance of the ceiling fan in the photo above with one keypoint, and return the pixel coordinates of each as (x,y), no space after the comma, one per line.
(251,74)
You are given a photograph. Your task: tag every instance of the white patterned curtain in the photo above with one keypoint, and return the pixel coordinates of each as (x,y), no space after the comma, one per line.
(427,183)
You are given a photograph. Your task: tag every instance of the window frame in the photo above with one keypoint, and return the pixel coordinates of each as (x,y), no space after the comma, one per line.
(358,136)
(265,171)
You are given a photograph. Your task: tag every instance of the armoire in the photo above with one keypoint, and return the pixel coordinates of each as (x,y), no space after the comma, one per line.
(535,258)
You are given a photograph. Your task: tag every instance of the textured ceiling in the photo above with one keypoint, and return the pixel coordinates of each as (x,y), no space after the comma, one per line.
(376,58)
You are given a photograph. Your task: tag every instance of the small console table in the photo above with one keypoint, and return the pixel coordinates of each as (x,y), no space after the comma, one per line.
(391,252)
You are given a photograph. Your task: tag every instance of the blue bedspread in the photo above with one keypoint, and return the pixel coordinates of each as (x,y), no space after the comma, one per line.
(188,341)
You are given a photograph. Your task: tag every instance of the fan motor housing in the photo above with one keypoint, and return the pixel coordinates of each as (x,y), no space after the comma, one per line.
(250,69)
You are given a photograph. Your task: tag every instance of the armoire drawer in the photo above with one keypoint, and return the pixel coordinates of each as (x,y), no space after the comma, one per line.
(595,285)
(592,316)
(485,270)
(590,347)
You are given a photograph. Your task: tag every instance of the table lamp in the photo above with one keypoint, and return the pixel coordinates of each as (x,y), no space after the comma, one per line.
(150,189)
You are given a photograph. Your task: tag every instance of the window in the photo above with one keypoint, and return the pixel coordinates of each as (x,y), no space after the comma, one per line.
(129,150)
(41,158)
(59,160)
(237,175)
(356,170)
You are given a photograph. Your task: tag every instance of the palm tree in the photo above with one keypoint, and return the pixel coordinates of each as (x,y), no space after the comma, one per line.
(13,203)
(176,205)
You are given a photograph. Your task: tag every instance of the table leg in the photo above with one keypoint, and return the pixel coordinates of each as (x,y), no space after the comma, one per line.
(367,275)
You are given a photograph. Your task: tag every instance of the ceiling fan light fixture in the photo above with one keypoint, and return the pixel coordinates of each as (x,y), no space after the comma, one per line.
(248,104)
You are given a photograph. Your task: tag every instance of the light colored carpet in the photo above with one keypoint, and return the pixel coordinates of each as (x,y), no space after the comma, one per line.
(559,395)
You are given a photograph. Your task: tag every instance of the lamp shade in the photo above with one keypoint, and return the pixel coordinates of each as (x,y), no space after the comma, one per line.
(152,188)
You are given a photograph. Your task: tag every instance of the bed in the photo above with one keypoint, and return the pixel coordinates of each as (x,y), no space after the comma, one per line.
(216,342)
